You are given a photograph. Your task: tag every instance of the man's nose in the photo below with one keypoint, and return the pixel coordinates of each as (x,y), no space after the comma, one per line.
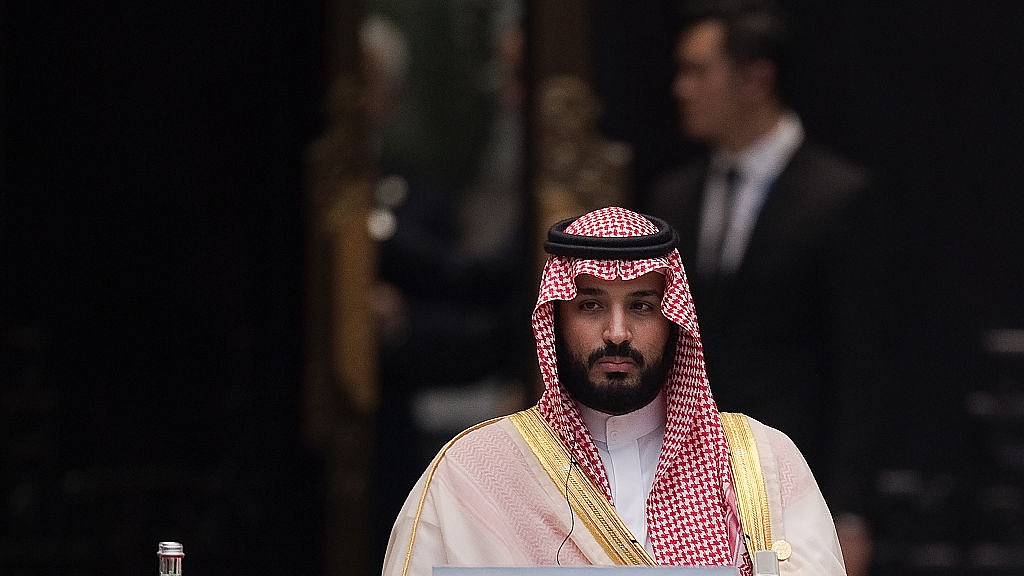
(617,330)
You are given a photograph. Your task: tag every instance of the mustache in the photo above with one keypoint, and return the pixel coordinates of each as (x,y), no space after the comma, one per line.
(623,350)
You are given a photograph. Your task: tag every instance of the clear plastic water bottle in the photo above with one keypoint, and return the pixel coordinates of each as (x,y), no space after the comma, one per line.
(170,555)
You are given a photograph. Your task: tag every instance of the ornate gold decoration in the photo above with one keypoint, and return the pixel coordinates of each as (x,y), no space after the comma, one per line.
(340,388)
(342,255)
(751,496)
(783,549)
(578,169)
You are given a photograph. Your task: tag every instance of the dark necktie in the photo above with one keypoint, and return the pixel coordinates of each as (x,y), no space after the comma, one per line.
(732,184)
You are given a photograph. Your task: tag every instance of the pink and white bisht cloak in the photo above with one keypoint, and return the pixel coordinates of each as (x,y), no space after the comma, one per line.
(486,501)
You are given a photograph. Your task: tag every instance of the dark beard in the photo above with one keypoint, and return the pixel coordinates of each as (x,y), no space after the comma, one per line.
(616,396)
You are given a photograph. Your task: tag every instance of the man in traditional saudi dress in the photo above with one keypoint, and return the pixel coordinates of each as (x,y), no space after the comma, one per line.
(624,459)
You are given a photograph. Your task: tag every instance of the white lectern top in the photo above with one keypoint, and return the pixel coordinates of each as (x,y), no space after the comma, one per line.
(586,571)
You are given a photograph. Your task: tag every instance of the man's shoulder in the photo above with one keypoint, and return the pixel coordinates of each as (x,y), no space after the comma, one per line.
(816,163)
(763,428)
(484,429)
(489,436)
(763,433)
(489,452)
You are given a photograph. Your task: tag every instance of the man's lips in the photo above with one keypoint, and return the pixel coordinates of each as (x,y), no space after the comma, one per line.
(615,364)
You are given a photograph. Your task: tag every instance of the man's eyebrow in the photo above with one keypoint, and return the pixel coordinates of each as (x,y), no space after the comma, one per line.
(599,292)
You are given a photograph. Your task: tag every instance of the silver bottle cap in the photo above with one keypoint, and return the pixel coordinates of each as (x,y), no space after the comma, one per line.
(170,549)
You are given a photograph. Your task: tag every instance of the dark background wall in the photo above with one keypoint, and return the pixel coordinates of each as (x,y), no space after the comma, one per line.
(151,286)
(150,242)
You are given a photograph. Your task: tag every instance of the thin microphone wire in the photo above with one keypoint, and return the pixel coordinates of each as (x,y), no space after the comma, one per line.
(572,516)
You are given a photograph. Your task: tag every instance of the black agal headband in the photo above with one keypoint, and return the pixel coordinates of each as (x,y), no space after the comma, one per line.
(655,245)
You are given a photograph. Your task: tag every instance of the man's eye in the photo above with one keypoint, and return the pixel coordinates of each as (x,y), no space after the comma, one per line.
(643,306)
(589,305)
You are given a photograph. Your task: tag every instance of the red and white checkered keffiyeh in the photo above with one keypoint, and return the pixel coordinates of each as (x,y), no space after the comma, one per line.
(687,508)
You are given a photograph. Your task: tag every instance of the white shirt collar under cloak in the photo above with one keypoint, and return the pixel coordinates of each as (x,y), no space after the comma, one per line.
(630,445)
(625,427)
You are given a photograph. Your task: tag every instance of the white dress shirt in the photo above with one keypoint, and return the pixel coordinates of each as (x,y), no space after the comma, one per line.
(629,446)
(758,165)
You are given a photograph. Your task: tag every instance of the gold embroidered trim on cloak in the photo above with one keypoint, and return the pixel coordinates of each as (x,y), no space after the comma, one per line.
(748,480)
(585,498)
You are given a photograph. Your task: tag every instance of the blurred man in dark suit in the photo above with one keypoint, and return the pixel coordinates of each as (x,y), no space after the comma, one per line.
(787,257)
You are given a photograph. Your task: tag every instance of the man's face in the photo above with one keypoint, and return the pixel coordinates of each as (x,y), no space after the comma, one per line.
(614,345)
(708,86)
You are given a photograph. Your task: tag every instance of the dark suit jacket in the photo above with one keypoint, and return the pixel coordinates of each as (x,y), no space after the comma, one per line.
(795,337)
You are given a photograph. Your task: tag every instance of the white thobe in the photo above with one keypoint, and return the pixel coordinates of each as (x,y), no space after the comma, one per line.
(629,446)
(487,501)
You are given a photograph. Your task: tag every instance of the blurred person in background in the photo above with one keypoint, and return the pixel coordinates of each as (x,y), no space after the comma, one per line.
(787,257)
(449,220)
